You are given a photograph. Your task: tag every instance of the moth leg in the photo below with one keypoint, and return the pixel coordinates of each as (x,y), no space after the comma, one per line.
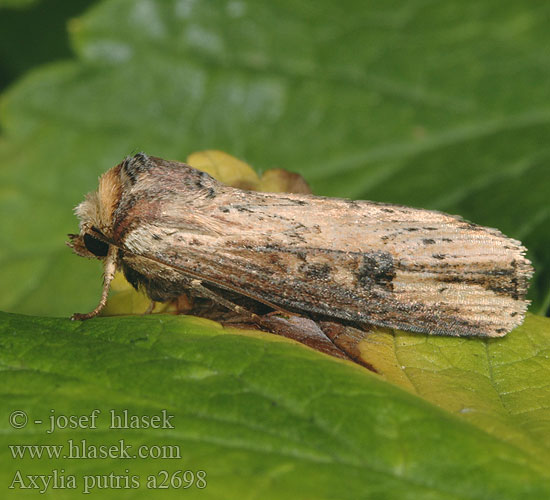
(109,268)
(150,307)
(184,304)
(209,294)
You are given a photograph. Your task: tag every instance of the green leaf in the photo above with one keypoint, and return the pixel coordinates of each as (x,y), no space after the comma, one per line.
(16,3)
(498,385)
(439,105)
(33,32)
(320,428)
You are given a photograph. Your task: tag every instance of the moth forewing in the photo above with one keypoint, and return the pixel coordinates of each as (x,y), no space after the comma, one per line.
(359,261)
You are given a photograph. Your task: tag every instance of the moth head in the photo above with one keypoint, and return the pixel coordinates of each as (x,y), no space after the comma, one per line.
(96,215)
(90,244)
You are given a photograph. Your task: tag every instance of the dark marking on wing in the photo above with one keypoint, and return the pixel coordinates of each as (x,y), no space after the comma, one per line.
(316,271)
(500,281)
(376,268)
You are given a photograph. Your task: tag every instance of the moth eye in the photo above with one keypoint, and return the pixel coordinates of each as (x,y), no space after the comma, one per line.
(95,246)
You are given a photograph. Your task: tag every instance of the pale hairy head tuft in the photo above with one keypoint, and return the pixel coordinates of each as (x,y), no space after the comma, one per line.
(98,207)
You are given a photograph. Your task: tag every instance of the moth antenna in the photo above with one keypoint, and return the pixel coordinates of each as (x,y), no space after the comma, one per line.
(109,269)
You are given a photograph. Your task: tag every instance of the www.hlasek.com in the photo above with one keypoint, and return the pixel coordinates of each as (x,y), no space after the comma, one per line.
(82,448)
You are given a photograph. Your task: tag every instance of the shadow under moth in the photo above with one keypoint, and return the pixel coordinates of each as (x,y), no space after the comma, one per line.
(297,264)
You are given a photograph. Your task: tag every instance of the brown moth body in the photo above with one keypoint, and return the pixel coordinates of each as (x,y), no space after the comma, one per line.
(169,226)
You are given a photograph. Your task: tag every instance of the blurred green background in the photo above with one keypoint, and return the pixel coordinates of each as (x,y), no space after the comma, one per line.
(34,33)
(432,104)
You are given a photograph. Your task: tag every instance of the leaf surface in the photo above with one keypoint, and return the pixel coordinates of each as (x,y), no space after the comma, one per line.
(321,428)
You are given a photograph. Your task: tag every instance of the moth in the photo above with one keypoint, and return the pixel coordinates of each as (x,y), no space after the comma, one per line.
(172,229)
